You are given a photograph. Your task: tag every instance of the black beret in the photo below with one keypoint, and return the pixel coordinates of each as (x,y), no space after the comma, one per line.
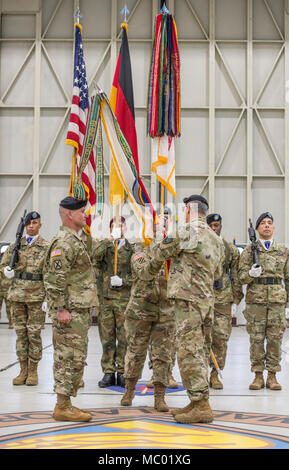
(31,216)
(263,216)
(213,218)
(121,219)
(72,203)
(196,197)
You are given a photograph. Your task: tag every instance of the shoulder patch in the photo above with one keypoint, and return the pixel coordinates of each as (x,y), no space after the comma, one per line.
(138,256)
(55,253)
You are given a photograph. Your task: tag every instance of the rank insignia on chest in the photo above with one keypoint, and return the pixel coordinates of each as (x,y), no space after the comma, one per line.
(55,253)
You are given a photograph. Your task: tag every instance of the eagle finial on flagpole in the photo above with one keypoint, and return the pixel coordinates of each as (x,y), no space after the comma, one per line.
(77,15)
(125,11)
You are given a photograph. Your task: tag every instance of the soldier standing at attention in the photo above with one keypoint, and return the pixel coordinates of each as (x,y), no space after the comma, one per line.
(266,300)
(115,296)
(5,284)
(26,295)
(190,285)
(71,291)
(228,293)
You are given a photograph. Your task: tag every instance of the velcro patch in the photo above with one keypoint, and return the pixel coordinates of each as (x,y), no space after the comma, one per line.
(138,256)
(55,253)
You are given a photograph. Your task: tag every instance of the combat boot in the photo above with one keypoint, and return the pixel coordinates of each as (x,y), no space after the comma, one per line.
(258,382)
(172,382)
(271,382)
(108,380)
(129,392)
(215,383)
(64,411)
(21,378)
(177,411)
(200,413)
(159,403)
(32,378)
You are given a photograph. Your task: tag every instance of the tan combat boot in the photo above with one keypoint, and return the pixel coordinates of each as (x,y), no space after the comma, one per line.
(215,383)
(129,392)
(32,378)
(160,404)
(21,378)
(271,382)
(150,383)
(64,411)
(177,411)
(258,382)
(200,413)
(172,382)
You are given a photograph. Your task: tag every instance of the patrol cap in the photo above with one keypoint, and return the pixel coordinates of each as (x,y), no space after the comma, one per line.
(263,216)
(31,216)
(72,203)
(196,197)
(121,219)
(213,218)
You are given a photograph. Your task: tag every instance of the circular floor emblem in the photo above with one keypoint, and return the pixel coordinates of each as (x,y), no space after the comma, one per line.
(140,428)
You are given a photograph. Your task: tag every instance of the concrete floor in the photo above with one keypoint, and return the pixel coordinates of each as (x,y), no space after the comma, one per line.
(236,407)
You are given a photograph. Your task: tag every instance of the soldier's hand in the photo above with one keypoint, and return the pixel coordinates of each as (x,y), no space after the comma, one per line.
(255,271)
(8,272)
(64,316)
(115,281)
(287,313)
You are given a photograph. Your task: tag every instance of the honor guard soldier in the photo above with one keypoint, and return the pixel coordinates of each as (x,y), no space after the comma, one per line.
(27,296)
(190,284)
(228,293)
(71,292)
(266,300)
(116,289)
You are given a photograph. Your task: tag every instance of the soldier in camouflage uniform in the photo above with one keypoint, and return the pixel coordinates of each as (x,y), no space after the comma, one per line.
(149,319)
(71,292)
(228,291)
(4,289)
(266,300)
(26,295)
(190,284)
(116,289)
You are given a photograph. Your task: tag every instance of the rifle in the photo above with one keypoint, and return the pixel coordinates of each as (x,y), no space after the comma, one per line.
(19,234)
(253,239)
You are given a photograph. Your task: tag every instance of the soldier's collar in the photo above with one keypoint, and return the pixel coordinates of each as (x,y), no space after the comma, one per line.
(69,230)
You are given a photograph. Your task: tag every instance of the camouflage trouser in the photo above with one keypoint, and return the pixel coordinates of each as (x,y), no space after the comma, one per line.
(221,332)
(28,321)
(70,343)
(265,322)
(156,329)
(112,335)
(173,353)
(193,327)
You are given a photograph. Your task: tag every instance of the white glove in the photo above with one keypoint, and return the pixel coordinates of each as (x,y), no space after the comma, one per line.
(115,281)
(44,307)
(8,272)
(286,313)
(234,310)
(255,271)
(116,233)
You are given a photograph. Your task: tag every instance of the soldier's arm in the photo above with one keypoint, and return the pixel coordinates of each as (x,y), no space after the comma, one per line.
(58,263)
(236,284)
(219,270)
(6,258)
(286,278)
(99,249)
(245,263)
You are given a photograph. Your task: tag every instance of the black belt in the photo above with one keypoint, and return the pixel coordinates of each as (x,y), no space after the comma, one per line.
(28,276)
(268,280)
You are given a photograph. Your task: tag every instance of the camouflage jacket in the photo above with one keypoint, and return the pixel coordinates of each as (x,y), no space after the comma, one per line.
(30,260)
(231,291)
(5,284)
(274,264)
(69,277)
(149,283)
(103,259)
(197,264)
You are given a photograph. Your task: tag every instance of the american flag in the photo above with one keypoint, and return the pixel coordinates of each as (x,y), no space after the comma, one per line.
(77,122)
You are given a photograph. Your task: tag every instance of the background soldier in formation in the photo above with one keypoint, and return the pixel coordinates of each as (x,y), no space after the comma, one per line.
(149,319)
(5,284)
(26,295)
(266,299)
(190,284)
(71,294)
(228,293)
(115,296)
